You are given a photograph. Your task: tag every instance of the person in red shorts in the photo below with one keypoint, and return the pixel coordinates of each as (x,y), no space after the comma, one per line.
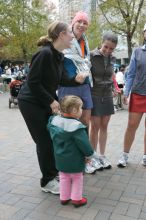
(136,83)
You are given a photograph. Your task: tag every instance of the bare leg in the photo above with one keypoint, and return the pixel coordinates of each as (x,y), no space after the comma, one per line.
(93,130)
(85,118)
(119,100)
(133,123)
(103,133)
(145,138)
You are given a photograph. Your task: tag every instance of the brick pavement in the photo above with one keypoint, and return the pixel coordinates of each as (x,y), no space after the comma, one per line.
(116,194)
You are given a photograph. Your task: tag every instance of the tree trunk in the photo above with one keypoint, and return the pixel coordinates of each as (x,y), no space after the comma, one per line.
(129,45)
(24,53)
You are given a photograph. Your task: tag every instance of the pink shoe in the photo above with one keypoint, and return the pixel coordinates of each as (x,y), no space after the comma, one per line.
(64,202)
(78,203)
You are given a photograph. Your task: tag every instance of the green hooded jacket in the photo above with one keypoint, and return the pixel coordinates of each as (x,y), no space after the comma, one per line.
(71,143)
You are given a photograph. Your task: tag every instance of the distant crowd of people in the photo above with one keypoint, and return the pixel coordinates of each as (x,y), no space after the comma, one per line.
(9,73)
(10,70)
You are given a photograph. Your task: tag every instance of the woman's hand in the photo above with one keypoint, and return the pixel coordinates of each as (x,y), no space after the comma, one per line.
(55,107)
(80,78)
(125,100)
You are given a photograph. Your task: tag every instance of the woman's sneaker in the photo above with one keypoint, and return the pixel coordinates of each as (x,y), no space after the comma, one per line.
(52,187)
(105,162)
(96,164)
(89,168)
(123,160)
(144,160)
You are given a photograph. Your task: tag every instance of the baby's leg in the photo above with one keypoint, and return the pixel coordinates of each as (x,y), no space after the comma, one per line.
(77,186)
(65,186)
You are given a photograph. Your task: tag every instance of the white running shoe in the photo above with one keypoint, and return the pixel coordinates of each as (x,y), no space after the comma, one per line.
(105,162)
(52,187)
(96,164)
(123,160)
(144,160)
(89,168)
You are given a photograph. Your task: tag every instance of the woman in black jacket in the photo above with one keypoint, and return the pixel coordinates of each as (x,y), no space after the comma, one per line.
(102,71)
(37,98)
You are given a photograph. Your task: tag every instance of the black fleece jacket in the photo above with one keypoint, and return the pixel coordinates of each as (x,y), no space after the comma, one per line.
(45,74)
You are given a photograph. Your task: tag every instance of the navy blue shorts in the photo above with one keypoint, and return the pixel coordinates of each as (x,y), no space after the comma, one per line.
(82,91)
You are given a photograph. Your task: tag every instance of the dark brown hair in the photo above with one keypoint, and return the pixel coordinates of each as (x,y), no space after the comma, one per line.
(110,37)
(54,29)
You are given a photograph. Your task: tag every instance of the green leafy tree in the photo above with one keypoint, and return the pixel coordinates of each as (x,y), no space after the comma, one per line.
(122,17)
(21,25)
(138,35)
(94,32)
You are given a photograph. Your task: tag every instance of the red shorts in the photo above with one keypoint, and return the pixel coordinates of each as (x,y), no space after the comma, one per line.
(137,103)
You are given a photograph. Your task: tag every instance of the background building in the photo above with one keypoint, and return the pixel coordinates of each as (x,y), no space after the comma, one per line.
(67,8)
(121,56)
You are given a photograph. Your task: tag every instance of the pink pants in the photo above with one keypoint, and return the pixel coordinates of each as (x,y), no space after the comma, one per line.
(71,186)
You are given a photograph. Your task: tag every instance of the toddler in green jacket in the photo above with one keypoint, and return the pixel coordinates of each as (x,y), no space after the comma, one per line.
(71,148)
